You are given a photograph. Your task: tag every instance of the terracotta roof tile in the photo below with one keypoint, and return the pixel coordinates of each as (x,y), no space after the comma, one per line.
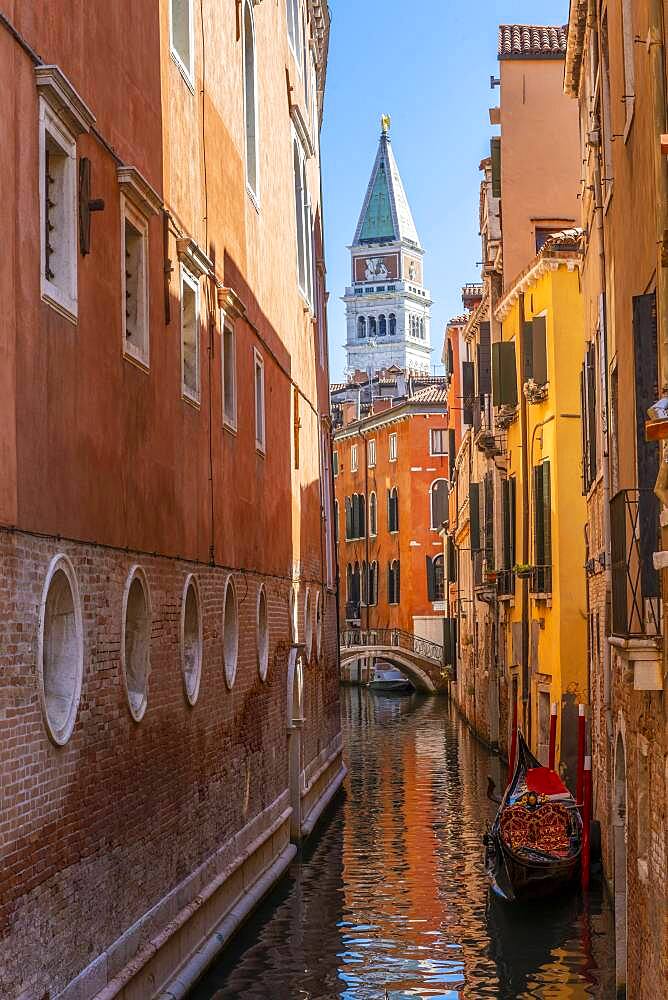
(518,41)
(431,394)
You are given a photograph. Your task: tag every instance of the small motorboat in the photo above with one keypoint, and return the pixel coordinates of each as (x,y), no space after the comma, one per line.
(533,847)
(388,679)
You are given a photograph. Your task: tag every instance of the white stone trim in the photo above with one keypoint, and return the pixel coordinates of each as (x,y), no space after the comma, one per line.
(70,108)
(231,654)
(136,573)
(191,691)
(137,189)
(193,258)
(60,735)
(262,655)
(60,295)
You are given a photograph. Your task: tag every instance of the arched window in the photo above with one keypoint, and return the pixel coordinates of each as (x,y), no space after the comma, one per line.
(60,649)
(349,518)
(250,100)
(439,578)
(393,509)
(373,582)
(372,326)
(422,327)
(361,327)
(356,584)
(365,584)
(382,325)
(373,515)
(299,215)
(393,583)
(439,502)
(393,325)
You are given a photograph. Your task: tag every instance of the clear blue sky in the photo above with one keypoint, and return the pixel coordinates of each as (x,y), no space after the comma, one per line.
(427,64)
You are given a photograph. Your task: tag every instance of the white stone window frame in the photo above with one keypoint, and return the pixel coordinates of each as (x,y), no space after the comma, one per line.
(373,521)
(372,453)
(228,327)
(319,616)
(230,642)
(262,639)
(261,414)
(63,299)
(253,192)
(393,446)
(187,72)
(187,278)
(353,458)
(137,219)
(305,257)
(191,690)
(60,735)
(438,430)
(136,573)
(335,461)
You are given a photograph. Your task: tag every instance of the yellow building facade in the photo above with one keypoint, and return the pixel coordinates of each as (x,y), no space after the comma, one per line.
(536,386)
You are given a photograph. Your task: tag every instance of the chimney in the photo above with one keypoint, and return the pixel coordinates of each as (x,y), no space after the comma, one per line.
(401,384)
(349,412)
(379,405)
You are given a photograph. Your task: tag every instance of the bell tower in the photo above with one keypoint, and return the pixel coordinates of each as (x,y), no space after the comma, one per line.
(387,304)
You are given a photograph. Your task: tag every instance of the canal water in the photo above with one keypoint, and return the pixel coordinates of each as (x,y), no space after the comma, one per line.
(391,899)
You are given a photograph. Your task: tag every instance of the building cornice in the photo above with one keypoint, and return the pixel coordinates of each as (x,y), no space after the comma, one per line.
(546,262)
(395,415)
(577,24)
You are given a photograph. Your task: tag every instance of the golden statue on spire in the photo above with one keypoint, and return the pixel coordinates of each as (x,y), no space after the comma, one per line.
(385,122)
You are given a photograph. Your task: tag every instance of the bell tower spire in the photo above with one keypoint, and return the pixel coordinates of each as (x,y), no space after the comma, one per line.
(387,304)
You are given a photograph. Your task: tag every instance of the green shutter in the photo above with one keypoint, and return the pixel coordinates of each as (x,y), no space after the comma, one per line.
(484,361)
(474,516)
(547,515)
(504,374)
(495,149)
(452,561)
(527,351)
(512,503)
(489,522)
(505,514)
(539,349)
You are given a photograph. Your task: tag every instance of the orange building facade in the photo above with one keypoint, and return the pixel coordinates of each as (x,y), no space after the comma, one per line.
(168,626)
(391,475)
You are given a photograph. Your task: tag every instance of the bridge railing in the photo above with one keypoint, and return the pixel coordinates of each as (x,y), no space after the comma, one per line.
(392,637)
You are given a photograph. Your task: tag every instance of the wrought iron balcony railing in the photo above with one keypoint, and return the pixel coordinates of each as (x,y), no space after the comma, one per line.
(505,582)
(393,637)
(634,537)
(541,580)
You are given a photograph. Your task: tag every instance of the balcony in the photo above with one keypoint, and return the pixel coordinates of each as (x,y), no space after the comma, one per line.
(636,592)
(505,583)
(353,611)
(540,585)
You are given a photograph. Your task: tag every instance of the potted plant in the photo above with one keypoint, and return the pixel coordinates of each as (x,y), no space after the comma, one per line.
(522,570)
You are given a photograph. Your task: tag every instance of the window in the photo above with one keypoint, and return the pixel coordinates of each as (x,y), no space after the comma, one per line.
(365,584)
(393,447)
(438,438)
(373,583)
(229,363)
(335,459)
(534,346)
(304,224)
(294,29)
(262,634)
(393,325)
(250,101)
(361,327)
(393,583)
(544,727)
(508,512)
(60,650)
(134,257)
(260,441)
(628,96)
(393,509)
(435,579)
(318,625)
(136,642)
(190,386)
(353,458)
(588,418)
(439,493)
(292,615)
(58,212)
(230,633)
(373,515)
(372,326)
(382,326)
(181,36)
(371,454)
(542,525)
(191,638)
(355,517)
(308,627)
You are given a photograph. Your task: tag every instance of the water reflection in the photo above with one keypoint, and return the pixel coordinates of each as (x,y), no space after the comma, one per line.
(392,898)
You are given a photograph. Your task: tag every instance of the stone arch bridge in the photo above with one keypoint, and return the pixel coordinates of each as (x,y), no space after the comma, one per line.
(420,660)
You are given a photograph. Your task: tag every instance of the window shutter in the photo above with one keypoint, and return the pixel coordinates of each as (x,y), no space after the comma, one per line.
(495,150)
(505,517)
(349,518)
(451,360)
(452,451)
(539,348)
(397,582)
(484,361)
(356,520)
(362,503)
(504,374)
(390,588)
(489,521)
(512,503)
(468,390)
(646,384)
(591,412)
(431,583)
(584,429)
(452,561)
(538,512)
(396,511)
(527,351)
(474,516)
(547,514)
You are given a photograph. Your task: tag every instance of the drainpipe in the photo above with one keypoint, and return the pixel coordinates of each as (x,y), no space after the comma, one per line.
(526,703)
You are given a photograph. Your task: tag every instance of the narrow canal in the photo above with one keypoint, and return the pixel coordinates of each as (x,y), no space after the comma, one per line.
(391,900)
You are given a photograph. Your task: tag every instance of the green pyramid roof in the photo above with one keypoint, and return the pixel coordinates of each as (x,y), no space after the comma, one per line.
(377,223)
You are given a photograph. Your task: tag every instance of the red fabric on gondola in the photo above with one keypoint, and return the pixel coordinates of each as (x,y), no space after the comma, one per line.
(543,781)
(544,829)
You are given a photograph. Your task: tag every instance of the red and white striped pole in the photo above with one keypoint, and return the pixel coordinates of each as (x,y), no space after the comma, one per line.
(581,755)
(586,824)
(553,736)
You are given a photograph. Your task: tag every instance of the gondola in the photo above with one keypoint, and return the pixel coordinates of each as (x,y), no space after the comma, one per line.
(533,847)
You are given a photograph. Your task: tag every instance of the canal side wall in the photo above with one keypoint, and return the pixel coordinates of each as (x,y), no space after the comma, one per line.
(126,850)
